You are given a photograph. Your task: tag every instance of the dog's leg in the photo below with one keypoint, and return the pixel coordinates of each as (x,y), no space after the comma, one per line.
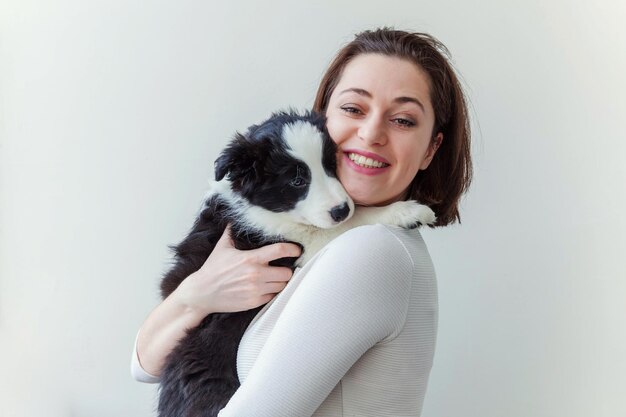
(401,213)
(407,214)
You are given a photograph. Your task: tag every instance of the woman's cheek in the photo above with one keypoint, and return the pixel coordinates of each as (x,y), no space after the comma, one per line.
(333,128)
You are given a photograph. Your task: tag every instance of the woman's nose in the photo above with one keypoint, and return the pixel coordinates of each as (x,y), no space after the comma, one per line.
(372,131)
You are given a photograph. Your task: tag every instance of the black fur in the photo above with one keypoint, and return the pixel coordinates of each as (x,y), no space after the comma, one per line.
(200,373)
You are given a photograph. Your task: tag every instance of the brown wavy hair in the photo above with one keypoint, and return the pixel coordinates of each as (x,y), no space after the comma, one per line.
(449,174)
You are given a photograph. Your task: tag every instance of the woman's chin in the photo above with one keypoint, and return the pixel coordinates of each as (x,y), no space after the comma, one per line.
(373,199)
(366,199)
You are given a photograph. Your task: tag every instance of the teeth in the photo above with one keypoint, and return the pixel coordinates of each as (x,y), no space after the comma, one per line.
(366,162)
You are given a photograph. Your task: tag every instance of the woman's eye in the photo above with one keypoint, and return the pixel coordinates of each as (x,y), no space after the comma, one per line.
(297,182)
(350,109)
(404,122)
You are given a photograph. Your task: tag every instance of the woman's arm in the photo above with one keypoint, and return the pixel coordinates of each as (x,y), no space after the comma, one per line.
(354,295)
(161,331)
(230,280)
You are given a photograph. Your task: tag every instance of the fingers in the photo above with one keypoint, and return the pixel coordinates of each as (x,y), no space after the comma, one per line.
(264,299)
(268,253)
(225,239)
(275,274)
(274,288)
(265,254)
(274,279)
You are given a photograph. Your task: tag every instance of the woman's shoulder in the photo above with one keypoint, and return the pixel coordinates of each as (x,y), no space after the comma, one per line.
(382,237)
(377,242)
(368,264)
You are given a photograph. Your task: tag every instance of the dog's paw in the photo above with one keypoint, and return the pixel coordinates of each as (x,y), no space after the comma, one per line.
(411,214)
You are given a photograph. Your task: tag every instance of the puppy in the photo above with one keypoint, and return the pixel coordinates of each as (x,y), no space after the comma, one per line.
(275,183)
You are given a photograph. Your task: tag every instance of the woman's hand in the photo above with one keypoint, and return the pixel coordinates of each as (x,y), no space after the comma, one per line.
(235,280)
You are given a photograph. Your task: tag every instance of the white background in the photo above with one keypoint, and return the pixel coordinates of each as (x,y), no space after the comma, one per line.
(112,113)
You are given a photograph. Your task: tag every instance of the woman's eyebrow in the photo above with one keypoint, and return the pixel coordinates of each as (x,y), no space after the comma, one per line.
(410,100)
(400,100)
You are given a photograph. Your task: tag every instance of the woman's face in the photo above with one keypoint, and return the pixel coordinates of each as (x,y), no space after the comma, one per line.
(381,118)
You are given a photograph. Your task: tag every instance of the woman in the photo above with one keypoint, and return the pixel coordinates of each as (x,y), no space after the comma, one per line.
(354,332)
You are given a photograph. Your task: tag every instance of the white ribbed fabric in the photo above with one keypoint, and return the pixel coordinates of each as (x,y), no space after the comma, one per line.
(137,371)
(352,334)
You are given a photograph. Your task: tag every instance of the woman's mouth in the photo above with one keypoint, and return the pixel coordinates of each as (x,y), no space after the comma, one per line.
(364,165)
(365,162)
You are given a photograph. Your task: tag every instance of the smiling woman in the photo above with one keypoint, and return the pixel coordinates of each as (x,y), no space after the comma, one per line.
(353,332)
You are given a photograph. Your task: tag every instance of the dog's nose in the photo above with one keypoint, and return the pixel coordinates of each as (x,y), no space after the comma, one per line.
(339,213)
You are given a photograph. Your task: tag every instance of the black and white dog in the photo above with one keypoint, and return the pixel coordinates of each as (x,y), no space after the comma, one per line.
(275,183)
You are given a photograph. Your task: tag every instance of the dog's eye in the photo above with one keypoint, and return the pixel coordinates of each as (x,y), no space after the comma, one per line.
(297,182)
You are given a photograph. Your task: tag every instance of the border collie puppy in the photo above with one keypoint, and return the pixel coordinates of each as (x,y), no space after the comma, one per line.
(275,183)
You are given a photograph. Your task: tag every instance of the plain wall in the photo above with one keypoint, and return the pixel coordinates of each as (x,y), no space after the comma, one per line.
(112,113)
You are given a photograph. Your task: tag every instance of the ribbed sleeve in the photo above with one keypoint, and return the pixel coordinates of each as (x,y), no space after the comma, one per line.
(137,371)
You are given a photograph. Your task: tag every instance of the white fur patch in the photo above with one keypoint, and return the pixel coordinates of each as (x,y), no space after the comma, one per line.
(306,144)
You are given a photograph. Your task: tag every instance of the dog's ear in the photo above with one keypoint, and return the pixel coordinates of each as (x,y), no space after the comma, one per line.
(231,160)
(241,160)
(223,165)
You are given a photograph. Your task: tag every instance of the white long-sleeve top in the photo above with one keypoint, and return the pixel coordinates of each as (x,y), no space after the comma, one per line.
(352,334)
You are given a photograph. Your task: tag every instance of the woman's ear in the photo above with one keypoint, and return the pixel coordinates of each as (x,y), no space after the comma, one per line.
(435,143)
